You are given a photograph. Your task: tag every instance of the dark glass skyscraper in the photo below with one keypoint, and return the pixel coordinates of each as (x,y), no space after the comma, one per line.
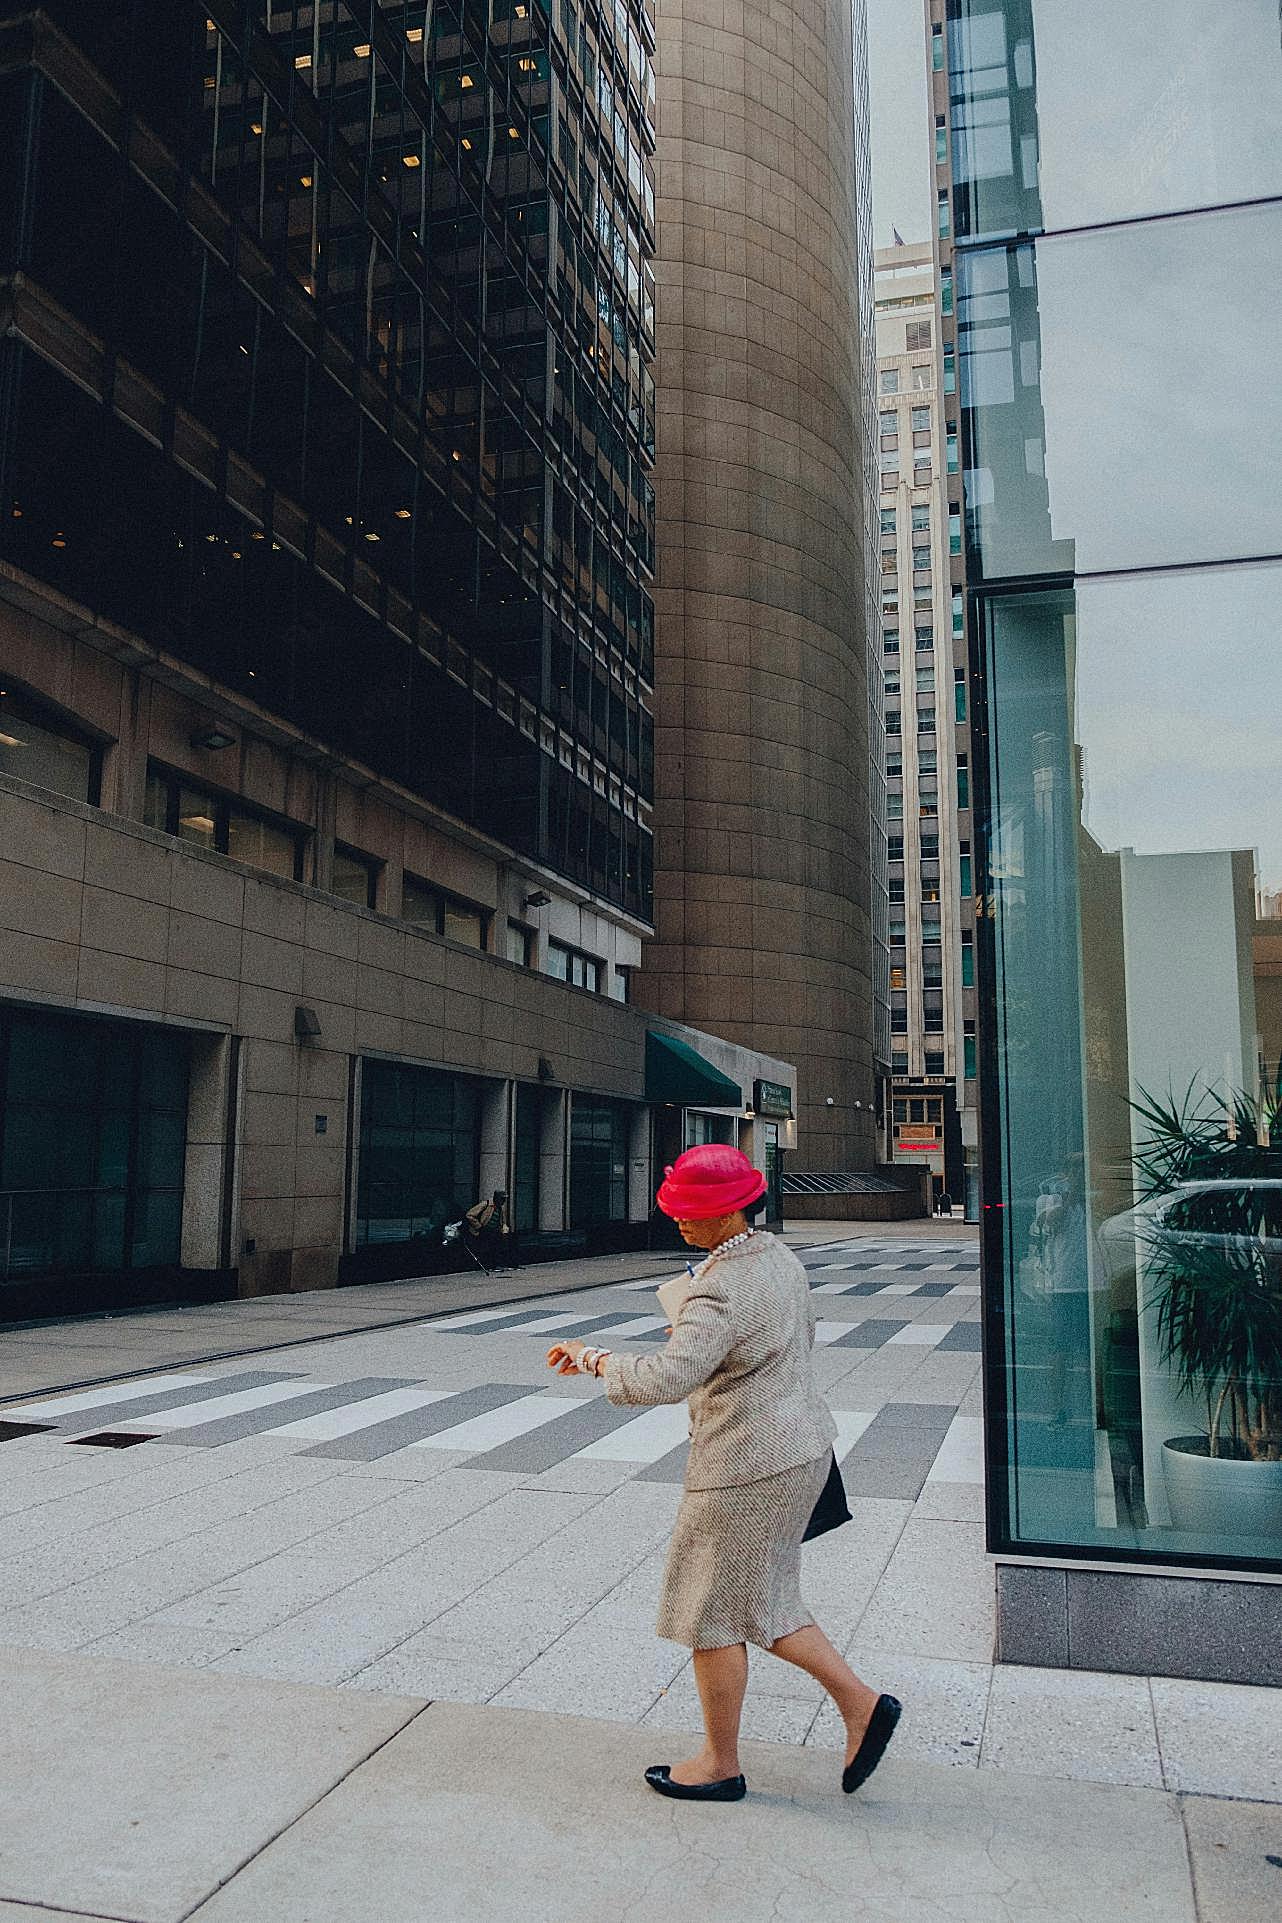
(326,369)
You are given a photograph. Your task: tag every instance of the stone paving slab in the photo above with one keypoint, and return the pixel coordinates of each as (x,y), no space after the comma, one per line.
(133,1791)
(484,1815)
(32,1913)
(1236,1851)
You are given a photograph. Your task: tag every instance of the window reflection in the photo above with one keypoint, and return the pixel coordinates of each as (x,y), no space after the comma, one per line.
(1136,874)
(1067,115)
(336,263)
(1086,357)
(36,745)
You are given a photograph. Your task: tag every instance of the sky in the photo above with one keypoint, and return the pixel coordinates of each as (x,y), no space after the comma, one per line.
(900,125)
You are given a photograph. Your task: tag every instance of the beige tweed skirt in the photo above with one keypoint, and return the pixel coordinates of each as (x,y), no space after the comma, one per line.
(733,1573)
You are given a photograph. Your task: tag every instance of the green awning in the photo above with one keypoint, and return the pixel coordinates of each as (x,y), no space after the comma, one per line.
(676,1073)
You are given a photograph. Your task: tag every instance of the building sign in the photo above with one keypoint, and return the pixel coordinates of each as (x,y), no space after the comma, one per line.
(773,1099)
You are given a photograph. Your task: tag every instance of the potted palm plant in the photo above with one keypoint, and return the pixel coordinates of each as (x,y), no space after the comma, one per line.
(1210,1220)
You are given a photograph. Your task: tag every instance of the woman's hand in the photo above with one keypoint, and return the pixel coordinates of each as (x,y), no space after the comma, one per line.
(564,1356)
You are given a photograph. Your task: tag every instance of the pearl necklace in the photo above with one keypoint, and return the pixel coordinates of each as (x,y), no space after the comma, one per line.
(722,1247)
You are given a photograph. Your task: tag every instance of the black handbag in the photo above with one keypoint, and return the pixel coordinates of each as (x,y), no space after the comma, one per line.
(832,1509)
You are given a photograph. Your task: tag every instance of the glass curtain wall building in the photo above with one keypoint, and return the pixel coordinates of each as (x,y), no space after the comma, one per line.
(328,370)
(1116,200)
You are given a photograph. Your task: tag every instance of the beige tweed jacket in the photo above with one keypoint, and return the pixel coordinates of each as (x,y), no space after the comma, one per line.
(740,1350)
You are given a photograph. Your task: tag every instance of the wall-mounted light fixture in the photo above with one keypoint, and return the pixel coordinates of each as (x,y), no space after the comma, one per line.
(307,1026)
(537,900)
(546,1071)
(213,737)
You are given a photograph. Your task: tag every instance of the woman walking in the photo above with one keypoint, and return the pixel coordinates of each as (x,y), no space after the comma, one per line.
(760,1452)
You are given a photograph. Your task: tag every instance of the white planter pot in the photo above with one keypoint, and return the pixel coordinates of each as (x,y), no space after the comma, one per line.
(1217,1496)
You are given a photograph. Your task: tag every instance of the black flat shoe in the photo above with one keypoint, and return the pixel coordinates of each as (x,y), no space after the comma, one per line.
(731,1789)
(881,1727)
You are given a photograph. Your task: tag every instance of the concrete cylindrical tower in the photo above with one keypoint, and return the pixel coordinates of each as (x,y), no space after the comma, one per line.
(762,802)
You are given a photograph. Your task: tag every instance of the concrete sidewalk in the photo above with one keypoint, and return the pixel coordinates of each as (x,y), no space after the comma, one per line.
(38,1358)
(152,1795)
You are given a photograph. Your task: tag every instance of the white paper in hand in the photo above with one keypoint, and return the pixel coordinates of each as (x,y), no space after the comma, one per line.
(672,1295)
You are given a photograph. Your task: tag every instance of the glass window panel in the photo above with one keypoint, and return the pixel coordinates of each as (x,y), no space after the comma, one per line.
(157,1228)
(34,748)
(520,944)
(197,818)
(1118,418)
(156,802)
(463,924)
(87,1141)
(163,1073)
(107,1218)
(261,844)
(420,903)
(354,877)
(1064,116)
(599,1131)
(419,1146)
(1137,891)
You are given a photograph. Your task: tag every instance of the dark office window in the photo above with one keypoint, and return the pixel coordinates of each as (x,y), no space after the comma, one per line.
(934,1060)
(419,1149)
(444,914)
(93,1138)
(355,876)
(530,1105)
(521,944)
(38,746)
(573,966)
(224,824)
(599,1131)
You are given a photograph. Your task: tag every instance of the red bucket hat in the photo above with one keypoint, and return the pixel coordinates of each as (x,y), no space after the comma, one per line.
(708,1181)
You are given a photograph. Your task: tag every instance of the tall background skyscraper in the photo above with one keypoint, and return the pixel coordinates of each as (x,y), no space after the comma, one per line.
(932,959)
(764,882)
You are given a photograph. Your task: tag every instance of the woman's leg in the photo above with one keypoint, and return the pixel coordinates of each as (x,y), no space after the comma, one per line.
(722,1677)
(809,1649)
